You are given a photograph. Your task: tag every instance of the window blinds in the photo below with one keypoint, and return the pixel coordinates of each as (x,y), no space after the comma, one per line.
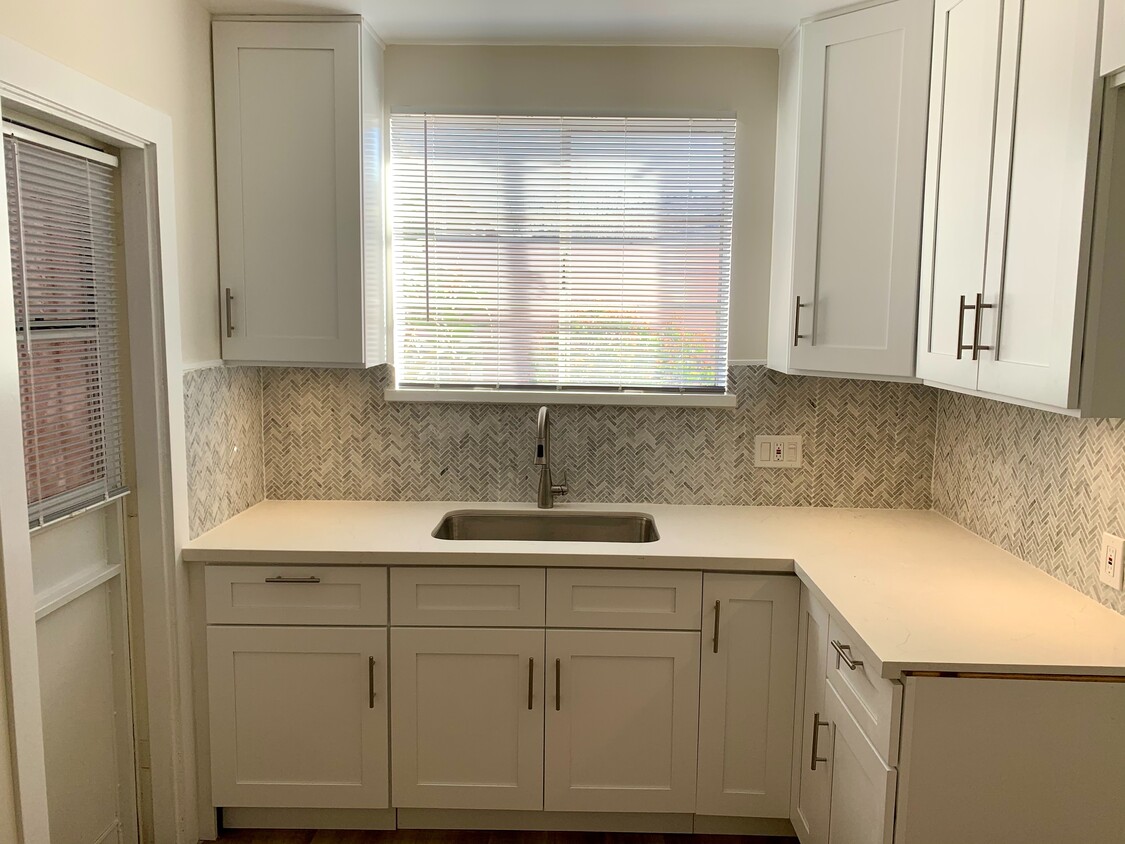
(585,253)
(62,211)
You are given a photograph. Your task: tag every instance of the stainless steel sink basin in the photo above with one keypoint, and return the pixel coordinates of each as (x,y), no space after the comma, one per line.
(534,526)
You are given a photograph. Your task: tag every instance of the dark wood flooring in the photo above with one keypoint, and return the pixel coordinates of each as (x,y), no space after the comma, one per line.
(422,836)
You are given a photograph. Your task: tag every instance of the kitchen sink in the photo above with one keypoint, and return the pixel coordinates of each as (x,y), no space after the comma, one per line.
(532,526)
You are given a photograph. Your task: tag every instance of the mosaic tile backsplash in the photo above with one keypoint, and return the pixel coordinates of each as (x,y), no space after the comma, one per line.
(330,435)
(1042,486)
(223,416)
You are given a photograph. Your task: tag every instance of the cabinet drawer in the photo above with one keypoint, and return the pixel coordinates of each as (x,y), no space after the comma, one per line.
(336,595)
(471,597)
(650,600)
(875,703)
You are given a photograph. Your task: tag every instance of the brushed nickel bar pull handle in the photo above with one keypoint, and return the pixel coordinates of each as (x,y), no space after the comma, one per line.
(371,682)
(797,335)
(312,578)
(961,347)
(715,637)
(230,318)
(843,652)
(978,307)
(530,682)
(558,685)
(816,725)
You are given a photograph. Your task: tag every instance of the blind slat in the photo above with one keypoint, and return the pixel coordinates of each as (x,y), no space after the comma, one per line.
(61,219)
(585,253)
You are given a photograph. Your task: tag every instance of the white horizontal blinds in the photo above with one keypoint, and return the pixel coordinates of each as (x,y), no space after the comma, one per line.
(561,252)
(62,226)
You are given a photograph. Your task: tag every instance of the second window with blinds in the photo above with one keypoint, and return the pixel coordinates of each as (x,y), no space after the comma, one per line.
(565,254)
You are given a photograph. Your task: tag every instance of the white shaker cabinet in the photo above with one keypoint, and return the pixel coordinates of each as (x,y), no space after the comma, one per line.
(812,778)
(298,147)
(467,718)
(621,720)
(1113,36)
(1013,158)
(848,193)
(747,682)
(298,716)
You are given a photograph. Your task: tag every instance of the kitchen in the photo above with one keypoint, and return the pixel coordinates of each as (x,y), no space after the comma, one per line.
(667,419)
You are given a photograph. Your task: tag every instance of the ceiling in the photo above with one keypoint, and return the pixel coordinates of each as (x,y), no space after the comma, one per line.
(749,23)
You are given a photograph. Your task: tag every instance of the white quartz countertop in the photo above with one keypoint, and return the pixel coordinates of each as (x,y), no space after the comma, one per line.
(922,593)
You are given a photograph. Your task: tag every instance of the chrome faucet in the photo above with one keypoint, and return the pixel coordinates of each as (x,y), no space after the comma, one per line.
(547,489)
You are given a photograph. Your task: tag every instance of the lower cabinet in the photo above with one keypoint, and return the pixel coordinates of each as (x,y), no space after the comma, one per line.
(812,781)
(621,721)
(467,718)
(298,716)
(747,683)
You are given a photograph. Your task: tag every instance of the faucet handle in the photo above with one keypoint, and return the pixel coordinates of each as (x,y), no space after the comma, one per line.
(560,489)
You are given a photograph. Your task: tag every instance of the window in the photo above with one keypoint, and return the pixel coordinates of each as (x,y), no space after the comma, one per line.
(584,253)
(62,211)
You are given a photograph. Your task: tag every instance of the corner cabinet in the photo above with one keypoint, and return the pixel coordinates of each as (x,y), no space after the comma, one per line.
(298,149)
(1012,303)
(848,193)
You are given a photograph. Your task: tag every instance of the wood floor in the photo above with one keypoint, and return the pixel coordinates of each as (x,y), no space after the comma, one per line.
(415,836)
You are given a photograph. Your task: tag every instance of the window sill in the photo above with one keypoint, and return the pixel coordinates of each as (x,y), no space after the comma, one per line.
(621,399)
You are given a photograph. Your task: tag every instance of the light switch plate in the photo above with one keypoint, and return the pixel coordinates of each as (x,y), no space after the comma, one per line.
(777,452)
(1110,564)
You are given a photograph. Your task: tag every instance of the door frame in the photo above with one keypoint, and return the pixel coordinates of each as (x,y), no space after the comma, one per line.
(43,86)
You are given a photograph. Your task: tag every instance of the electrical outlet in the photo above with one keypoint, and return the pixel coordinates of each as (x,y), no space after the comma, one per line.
(1110,564)
(777,452)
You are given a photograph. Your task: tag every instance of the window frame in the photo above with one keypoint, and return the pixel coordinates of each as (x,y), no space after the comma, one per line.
(619,396)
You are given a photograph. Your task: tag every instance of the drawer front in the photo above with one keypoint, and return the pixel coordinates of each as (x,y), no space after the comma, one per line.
(469,597)
(335,595)
(645,600)
(874,702)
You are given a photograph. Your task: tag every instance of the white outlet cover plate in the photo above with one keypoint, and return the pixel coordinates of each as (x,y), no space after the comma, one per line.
(1110,565)
(777,452)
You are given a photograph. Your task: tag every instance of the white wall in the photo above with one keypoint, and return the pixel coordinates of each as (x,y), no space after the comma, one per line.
(158,52)
(624,81)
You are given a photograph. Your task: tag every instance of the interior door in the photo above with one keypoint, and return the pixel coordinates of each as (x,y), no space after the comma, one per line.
(863,787)
(963,94)
(747,678)
(298,716)
(467,718)
(1039,233)
(813,779)
(621,720)
(864,81)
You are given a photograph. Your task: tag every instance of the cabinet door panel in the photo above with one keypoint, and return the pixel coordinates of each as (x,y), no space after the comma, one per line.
(813,779)
(467,718)
(288,158)
(859,189)
(1039,232)
(621,726)
(747,682)
(863,787)
(298,716)
(965,75)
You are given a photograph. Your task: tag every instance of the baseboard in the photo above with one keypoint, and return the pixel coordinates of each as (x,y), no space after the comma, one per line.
(716,825)
(549,821)
(238,817)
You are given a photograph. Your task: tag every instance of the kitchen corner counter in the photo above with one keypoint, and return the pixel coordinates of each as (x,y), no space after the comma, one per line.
(922,593)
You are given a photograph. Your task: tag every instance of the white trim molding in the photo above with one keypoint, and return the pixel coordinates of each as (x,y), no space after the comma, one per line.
(42,87)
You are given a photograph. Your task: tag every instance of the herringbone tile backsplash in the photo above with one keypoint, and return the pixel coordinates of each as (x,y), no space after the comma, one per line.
(330,435)
(223,417)
(1040,485)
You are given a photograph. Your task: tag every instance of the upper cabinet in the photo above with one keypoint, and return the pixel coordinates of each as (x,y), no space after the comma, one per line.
(848,195)
(1010,246)
(1113,37)
(298,146)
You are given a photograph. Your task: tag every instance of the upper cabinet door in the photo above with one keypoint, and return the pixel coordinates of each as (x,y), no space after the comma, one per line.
(1039,229)
(860,172)
(747,680)
(1113,36)
(290,191)
(963,93)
